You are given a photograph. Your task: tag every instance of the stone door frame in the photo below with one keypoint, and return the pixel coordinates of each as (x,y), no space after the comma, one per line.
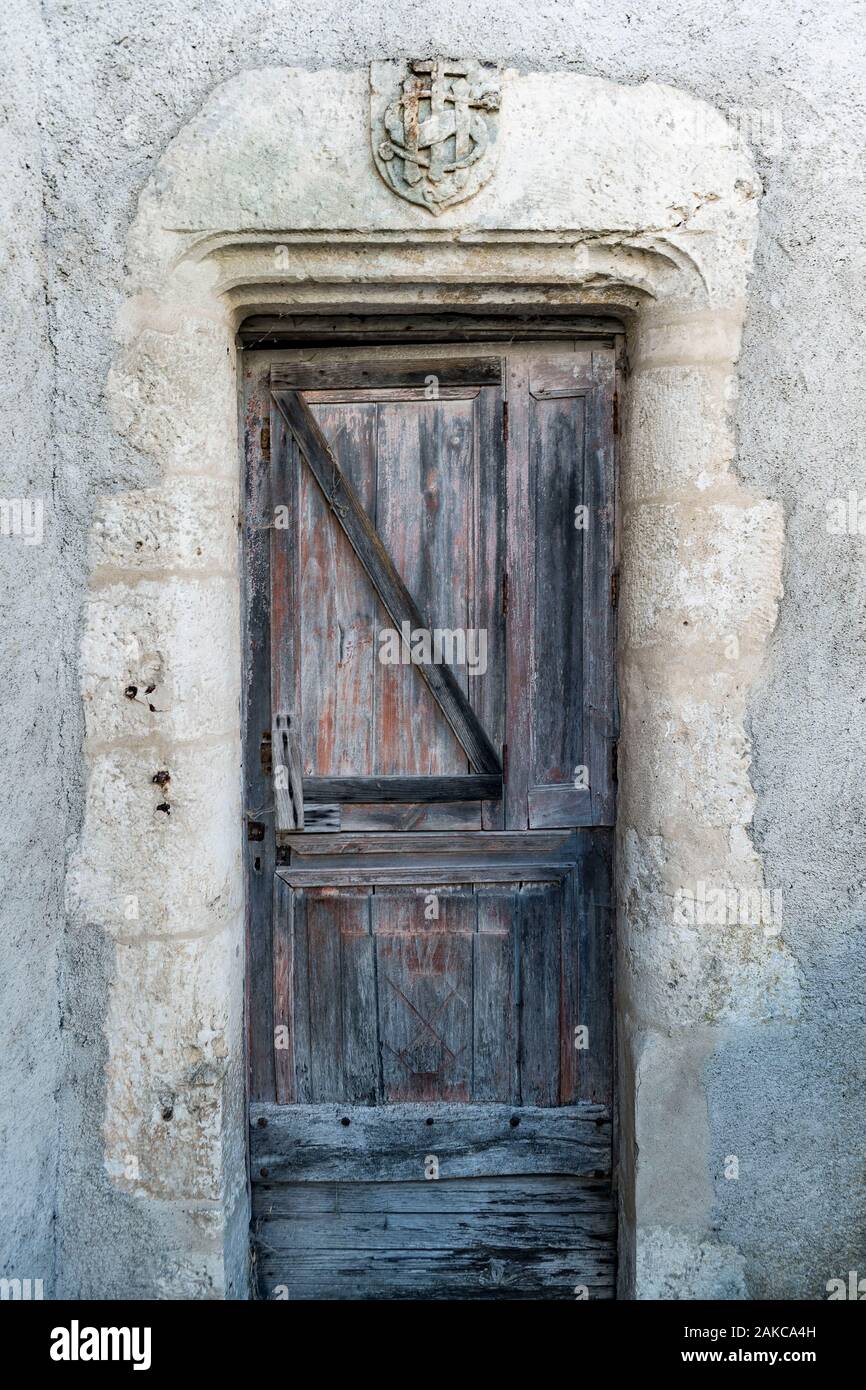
(158,870)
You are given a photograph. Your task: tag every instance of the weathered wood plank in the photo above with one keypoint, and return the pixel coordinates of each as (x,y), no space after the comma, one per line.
(434,1275)
(520,844)
(324,985)
(326,374)
(495,1020)
(288,778)
(413,815)
(559,806)
(545,1194)
(339,608)
(488,596)
(390,587)
(311,1143)
(426,467)
(259,853)
(599,653)
(539,908)
(333,330)
(317,820)
(595,917)
(342,1230)
(285,640)
(556,460)
(362,1078)
(283,1035)
(424,972)
(300,876)
(301,998)
(469,787)
(385,394)
(520,600)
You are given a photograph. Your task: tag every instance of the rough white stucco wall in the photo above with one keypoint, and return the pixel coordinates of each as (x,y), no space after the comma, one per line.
(38,696)
(776,1081)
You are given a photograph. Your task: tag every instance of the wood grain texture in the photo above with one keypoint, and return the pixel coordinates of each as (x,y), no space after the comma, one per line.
(558,806)
(520,845)
(410,789)
(285,1008)
(338,606)
(479,871)
(594,922)
(599,656)
(333,330)
(572,684)
(426,461)
(546,1195)
(488,591)
(285,640)
(327,375)
(444,815)
(437,1275)
(556,462)
(520,627)
(259,855)
(311,1143)
(395,597)
(425,994)
(448,982)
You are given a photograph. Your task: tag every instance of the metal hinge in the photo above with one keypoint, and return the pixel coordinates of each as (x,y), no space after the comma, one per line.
(616,412)
(504,593)
(614,760)
(265,443)
(614,589)
(266,754)
(505,421)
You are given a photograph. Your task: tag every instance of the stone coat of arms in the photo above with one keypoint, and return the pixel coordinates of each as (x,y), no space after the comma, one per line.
(434,128)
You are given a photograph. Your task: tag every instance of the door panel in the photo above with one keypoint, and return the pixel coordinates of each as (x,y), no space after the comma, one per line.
(569,684)
(433,1118)
(407,552)
(339,612)
(424,992)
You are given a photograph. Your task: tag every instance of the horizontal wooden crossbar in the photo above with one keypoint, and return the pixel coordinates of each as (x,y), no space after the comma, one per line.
(363,790)
(417,875)
(319,376)
(322,1143)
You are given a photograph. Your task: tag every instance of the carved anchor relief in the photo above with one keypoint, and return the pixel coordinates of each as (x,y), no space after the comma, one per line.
(434,128)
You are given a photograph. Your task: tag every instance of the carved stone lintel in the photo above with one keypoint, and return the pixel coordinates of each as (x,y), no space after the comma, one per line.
(434,126)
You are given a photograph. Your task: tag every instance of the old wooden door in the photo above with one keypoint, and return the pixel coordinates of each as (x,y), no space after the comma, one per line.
(430,999)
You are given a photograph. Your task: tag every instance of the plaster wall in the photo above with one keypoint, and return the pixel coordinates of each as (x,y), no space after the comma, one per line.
(741,771)
(38,696)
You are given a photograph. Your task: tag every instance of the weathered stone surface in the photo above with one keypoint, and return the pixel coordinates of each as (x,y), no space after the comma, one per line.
(671,1265)
(162,857)
(187,524)
(169,1043)
(652,195)
(160,658)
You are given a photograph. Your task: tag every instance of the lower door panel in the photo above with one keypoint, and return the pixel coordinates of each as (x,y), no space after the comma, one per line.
(442,1125)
